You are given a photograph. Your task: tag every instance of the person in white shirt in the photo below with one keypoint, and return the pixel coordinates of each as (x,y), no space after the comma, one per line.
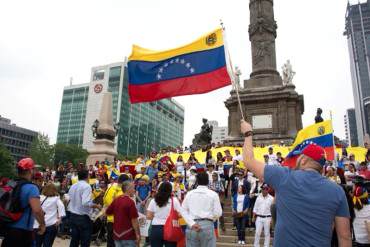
(80,206)
(350,174)
(54,211)
(361,223)
(158,211)
(203,207)
(180,164)
(262,216)
(192,177)
(272,157)
(238,156)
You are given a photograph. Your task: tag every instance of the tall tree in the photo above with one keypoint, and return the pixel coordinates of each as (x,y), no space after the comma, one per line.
(41,151)
(7,164)
(69,152)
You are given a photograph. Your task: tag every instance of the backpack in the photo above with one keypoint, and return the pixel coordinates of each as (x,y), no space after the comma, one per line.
(10,204)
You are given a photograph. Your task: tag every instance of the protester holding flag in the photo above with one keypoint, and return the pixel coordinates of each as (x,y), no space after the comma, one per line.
(320,202)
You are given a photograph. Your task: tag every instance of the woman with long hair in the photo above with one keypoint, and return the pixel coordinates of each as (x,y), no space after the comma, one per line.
(209,158)
(361,223)
(54,211)
(158,211)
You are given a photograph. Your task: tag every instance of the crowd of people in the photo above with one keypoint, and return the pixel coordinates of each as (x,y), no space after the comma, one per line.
(125,205)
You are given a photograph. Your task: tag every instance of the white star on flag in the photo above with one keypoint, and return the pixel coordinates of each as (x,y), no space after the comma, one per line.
(165,65)
(171,61)
(187,65)
(182,61)
(192,70)
(159,76)
(160,70)
(177,60)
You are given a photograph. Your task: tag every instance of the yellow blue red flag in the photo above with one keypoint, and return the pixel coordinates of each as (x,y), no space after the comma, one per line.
(320,134)
(195,68)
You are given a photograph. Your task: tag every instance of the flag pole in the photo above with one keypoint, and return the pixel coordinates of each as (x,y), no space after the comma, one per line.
(331,122)
(230,69)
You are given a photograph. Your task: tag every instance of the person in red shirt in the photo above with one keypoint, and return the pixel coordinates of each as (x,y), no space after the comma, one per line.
(126,232)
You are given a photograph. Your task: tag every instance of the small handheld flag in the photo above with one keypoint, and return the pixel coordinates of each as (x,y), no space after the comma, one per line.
(320,134)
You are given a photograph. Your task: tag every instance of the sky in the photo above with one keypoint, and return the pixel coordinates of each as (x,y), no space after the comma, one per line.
(43,43)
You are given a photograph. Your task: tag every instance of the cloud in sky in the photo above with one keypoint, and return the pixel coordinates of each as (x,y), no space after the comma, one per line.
(43,43)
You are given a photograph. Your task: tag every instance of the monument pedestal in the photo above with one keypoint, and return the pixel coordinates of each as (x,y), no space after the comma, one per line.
(274,112)
(103,150)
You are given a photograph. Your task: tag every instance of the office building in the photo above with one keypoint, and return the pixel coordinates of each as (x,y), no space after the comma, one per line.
(72,114)
(357,30)
(351,128)
(16,139)
(142,127)
(219,133)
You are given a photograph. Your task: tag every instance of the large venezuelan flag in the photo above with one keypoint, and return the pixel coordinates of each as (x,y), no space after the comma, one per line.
(320,133)
(195,68)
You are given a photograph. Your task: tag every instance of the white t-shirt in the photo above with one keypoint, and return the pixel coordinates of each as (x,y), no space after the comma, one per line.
(238,157)
(349,176)
(240,202)
(359,226)
(180,166)
(161,214)
(272,159)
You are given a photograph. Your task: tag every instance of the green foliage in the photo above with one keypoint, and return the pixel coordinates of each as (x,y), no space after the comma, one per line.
(69,152)
(41,152)
(7,164)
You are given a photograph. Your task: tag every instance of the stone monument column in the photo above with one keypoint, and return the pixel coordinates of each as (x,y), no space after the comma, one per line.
(272,107)
(262,34)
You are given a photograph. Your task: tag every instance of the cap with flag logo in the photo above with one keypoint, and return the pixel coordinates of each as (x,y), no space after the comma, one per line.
(315,152)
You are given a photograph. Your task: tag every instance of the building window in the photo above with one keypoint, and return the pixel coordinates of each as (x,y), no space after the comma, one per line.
(98,75)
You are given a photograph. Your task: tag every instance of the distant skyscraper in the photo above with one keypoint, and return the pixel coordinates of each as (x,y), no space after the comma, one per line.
(351,127)
(16,139)
(358,36)
(219,133)
(143,127)
(72,114)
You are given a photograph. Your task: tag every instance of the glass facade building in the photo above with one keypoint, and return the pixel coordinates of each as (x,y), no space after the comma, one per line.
(72,114)
(16,139)
(143,127)
(351,128)
(357,30)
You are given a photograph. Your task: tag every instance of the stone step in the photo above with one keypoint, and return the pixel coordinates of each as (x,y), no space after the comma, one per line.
(234,239)
(235,244)
(227,213)
(230,231)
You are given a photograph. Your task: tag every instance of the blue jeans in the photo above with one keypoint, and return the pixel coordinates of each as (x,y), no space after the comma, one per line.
(81,227)
(125,243)
(156,237)
(47,239)
(240,227)
(204,238)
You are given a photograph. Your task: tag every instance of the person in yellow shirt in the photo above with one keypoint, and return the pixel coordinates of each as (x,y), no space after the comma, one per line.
(178,187)
(112,192)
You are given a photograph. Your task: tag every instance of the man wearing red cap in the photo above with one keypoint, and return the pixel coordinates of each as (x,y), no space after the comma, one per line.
(307,203)
(19,233)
